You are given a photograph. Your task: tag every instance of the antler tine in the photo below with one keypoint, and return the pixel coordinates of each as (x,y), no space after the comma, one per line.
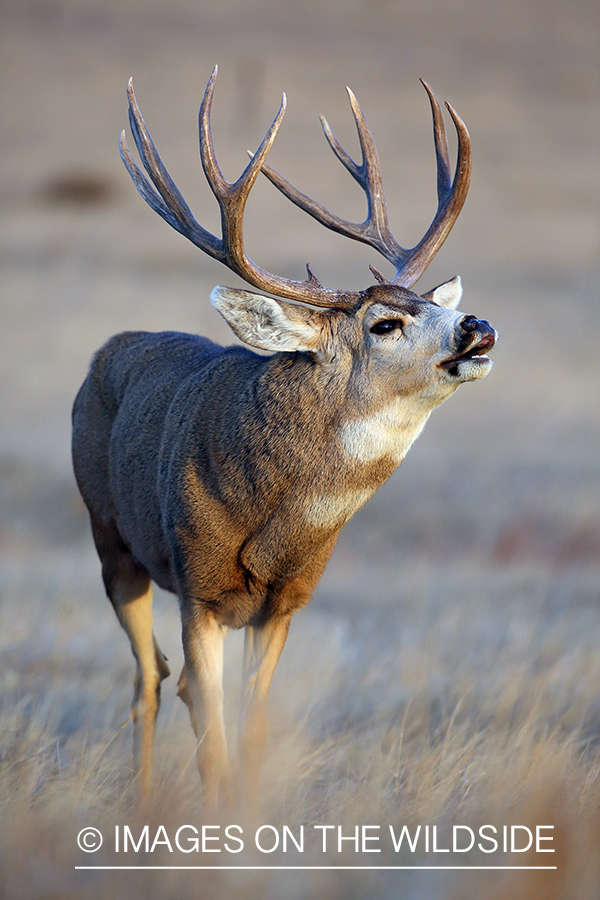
(451,195)
(161,193)
(344,158)
(370,178)
(375,230)
(232,197)
(151,197)
(223,189)
(166,200)
(444,182)
(217,181)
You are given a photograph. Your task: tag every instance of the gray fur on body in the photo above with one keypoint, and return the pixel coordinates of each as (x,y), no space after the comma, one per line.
(209,454)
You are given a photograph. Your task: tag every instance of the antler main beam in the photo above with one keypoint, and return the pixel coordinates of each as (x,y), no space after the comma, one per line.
(161,193)
(375,230)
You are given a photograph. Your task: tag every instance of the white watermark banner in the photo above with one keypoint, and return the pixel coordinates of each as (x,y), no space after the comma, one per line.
(420,841)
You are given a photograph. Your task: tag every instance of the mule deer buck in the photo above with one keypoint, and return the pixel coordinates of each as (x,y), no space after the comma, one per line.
(225,476)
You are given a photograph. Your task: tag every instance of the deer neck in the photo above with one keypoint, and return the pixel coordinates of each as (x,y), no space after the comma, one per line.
(304,454)
(317,413)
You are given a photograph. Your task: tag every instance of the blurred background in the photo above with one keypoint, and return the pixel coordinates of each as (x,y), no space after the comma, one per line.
(473,573)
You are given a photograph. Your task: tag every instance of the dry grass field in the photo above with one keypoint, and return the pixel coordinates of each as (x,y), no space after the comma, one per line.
(447,671)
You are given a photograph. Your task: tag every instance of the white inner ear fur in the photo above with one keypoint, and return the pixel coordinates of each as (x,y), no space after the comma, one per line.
(267,323)
(448,294)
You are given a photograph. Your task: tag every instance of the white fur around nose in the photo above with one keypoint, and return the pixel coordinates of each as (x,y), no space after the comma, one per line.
(390,431)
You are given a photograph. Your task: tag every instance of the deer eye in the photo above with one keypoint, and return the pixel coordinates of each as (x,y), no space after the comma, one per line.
(385,326)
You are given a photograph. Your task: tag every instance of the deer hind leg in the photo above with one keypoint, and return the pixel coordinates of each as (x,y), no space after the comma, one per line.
(262,649)
(129,590)
(201,689)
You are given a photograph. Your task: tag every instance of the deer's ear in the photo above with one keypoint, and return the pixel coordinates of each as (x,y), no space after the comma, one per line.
(447,295)
(270,324)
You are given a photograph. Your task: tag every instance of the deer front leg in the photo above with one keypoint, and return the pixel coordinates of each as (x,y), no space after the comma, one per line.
(262,649)
(201,688)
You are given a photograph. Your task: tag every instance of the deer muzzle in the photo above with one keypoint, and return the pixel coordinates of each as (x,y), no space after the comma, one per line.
(475,338)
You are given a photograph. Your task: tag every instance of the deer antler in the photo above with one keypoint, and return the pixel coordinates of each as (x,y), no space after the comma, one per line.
(161,193)
(375,230)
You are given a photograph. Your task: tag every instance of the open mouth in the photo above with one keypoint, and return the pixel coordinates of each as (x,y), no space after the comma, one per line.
(475,354)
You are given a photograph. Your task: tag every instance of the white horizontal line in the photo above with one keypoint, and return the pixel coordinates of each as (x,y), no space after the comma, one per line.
(328,868)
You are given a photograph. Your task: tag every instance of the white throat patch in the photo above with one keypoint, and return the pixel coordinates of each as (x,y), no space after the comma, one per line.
(389,432)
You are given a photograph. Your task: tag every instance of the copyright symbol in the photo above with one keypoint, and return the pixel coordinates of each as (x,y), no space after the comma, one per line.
(89,840)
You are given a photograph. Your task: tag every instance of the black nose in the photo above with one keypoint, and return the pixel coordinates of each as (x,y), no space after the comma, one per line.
(472,323)
(469,324)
